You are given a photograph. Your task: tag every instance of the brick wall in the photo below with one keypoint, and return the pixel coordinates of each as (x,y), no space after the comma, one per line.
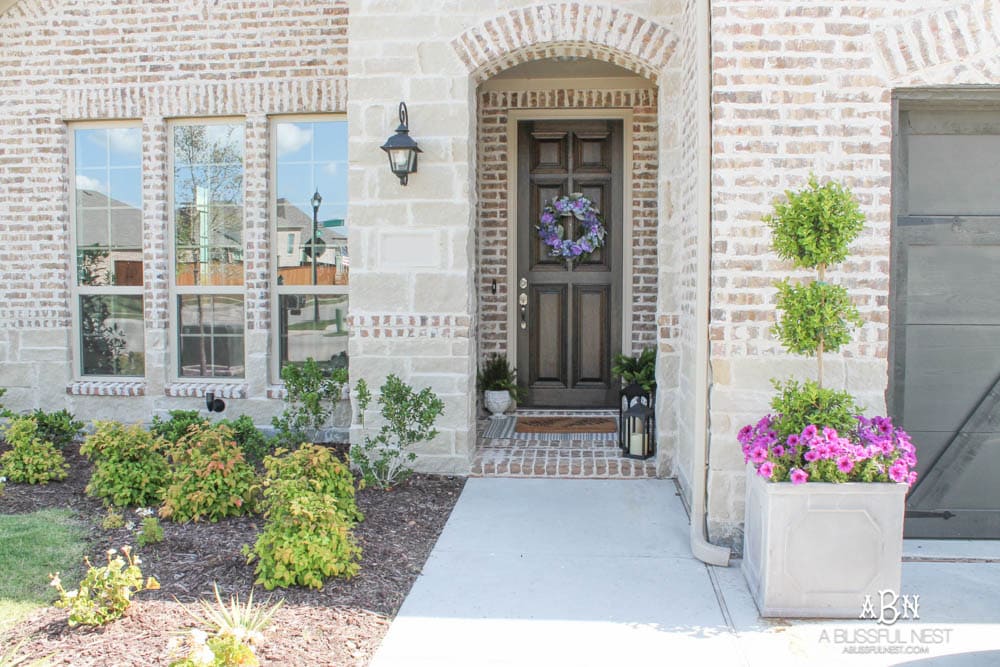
(492,178)
(799,88)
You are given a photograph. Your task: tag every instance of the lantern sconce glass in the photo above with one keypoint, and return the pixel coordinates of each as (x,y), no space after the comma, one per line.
(402,149)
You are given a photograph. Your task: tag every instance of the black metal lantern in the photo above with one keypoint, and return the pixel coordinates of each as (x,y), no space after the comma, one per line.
(402,149)
(636,422)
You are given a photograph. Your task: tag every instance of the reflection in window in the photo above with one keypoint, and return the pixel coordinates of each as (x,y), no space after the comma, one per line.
(108,213)
(313,326)
(313,264)
(111,335)
(210,331)
(107,223)
(208,204)
(312,158)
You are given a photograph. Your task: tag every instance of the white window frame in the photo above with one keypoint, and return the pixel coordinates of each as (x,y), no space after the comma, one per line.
(278,290)
(76,289)
(175,290)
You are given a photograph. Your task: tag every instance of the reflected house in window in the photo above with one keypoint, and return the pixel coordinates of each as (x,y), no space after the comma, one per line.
(294,248)
(209,242)
(108,256)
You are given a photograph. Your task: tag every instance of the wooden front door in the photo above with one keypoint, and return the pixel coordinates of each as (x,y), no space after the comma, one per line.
(568,315)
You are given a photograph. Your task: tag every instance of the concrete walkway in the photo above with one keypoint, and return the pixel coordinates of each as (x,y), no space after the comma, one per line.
(598,572)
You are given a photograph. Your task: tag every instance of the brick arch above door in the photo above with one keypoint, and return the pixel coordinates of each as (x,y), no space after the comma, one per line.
(566,29)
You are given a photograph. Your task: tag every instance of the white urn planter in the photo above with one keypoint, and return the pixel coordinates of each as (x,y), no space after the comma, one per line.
(497,402)
(815,550)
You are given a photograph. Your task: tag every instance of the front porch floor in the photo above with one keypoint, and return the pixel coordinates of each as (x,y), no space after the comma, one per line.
(567,457)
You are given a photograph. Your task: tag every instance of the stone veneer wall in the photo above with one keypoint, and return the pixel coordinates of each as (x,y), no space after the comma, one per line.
(492,180)
(104,60)
(799,88)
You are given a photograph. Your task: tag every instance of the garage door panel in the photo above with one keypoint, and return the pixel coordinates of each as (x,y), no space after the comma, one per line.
(945,339)
(952,284)
(948,369)
(953,174)
(971,481)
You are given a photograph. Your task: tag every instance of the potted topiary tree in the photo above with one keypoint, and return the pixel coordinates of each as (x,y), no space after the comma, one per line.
(825,486)
(498,382)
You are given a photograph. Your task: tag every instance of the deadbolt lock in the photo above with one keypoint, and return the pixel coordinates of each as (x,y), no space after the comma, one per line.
(523,283)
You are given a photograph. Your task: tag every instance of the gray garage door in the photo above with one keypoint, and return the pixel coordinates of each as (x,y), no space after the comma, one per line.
(945,347)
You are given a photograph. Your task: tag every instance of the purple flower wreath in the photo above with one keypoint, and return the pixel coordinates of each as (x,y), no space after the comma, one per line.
(551,232)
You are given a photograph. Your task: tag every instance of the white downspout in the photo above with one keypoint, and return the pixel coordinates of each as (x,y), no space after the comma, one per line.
(702,549)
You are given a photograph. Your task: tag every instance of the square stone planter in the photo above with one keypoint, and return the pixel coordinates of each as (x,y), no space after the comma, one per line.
(815,550)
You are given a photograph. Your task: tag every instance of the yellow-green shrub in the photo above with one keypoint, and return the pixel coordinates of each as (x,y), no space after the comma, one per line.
(310,508)
(209,478)
(30,460)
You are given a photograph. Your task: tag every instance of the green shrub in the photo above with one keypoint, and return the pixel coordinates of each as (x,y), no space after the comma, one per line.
(151,532)
(129,464)
(310,508)
(30,460)
(407,418)
(59,427)
(797,406)
(209,477)
(178,425)
(309,469)
(105,592)
(311,397)
(304,542)
(251,441)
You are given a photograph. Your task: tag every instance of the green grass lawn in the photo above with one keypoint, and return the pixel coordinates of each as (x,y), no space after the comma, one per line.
(32,546)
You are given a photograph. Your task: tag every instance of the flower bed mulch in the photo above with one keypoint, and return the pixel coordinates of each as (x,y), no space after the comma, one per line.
(341,624)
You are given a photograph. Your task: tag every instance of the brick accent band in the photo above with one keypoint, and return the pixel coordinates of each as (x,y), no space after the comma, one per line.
(199,389)
(409,326)
(106,388)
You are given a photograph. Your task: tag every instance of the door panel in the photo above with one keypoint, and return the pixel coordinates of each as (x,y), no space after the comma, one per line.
(571,323)
(946,371)
(592,335)
(548,365)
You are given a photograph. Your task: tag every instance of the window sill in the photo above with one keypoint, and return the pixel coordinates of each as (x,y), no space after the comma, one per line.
(278,392)
(107,388)
(199,389)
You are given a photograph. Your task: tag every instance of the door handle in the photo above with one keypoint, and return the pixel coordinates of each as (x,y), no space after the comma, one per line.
(523,301)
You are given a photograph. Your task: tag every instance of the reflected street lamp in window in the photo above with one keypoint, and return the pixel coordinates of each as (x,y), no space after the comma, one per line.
(315,247)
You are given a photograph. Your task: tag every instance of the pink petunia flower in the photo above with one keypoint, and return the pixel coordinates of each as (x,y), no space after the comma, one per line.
(799,476)
(845,464)
(898,472)
(766,469)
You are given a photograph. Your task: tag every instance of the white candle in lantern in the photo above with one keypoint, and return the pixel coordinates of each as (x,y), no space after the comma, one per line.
(637,439)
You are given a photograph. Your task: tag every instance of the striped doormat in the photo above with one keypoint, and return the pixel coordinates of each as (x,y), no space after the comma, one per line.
(553,428)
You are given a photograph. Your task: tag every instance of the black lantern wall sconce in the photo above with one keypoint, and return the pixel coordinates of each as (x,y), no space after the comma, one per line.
(636,422)
(402,149)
